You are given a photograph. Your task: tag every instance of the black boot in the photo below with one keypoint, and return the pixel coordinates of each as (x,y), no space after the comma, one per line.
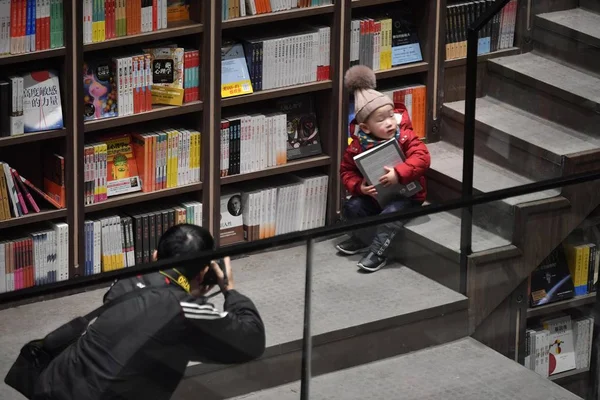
(351,246)
(372,262)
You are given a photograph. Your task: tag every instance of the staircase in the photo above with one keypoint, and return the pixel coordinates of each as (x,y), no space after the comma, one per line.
(400,332)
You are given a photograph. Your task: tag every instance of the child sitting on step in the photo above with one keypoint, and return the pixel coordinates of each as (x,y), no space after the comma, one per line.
(378,121)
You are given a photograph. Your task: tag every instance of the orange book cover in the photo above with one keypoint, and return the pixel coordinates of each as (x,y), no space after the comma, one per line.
(152,157)
(54,178)
(140,145)
(121,162)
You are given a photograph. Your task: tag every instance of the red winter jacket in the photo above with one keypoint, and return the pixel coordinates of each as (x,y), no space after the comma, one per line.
(417,158)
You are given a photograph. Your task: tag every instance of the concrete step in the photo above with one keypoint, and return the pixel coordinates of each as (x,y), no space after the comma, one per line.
(445,182)
(549,89)
(391,312)
(570,35)
(430,245)
(461,370)
(515,139)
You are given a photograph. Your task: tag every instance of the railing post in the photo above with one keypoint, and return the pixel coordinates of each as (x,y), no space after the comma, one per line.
(307,337)
(468,155)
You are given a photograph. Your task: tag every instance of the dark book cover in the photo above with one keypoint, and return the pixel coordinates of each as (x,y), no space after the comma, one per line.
(304,138)
(551,281)
(5,107)
(406,47)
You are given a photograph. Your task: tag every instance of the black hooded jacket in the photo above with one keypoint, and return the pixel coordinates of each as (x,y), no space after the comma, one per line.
(139,349)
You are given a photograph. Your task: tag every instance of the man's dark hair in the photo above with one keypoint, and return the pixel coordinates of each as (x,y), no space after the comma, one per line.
(183,239)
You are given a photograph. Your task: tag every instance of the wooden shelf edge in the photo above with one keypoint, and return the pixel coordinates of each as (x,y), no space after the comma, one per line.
(367,3)
(276,16)
(33,218)
(157,113)
(139,197)
(32,137)
(457,62)
(562,305)
(181,29)
(402,70)
(36,55)
(275,93)
(292,166)
(568,374)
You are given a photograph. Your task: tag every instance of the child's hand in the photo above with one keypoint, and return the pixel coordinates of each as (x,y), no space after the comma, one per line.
(390,178)
(367,190)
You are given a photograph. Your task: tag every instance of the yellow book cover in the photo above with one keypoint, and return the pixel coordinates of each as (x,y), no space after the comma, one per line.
(122,173)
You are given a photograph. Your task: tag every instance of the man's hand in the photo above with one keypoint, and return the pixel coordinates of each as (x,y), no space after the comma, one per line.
(225,283)
(367,190)
(390,177)
(200,290)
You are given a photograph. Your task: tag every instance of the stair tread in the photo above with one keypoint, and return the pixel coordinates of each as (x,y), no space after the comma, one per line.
(336,282)
(436,372)
(444,229)
(487,177)
(553,74)
(577,19)
(547,135)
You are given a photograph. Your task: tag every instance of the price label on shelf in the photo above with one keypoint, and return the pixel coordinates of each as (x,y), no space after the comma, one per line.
(235,89)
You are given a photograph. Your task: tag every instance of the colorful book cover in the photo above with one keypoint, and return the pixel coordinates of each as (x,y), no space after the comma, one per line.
(122,172)
(167,75)
(551,280)
(100,91)
(235,78)
(178,10)
(42,106)
(231,226)
(302,129)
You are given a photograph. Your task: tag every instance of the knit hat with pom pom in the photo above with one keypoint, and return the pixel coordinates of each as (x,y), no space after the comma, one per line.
(361,81)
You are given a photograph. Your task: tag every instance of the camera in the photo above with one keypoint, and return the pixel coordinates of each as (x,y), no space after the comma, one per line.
(210,278)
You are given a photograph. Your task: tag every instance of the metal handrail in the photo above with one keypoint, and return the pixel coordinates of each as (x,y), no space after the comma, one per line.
(466,226)
(301,236)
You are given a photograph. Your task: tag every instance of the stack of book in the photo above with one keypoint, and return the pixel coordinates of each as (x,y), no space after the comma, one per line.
(27,26)
(118,241)
(120,164)
(39,258)
(498,34)
(241,8)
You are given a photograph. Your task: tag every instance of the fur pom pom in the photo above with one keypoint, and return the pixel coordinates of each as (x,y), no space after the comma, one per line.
(360,77)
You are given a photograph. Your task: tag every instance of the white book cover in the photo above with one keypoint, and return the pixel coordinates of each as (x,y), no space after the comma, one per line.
(231,228)
(12,192)
(562,350)
(97,265)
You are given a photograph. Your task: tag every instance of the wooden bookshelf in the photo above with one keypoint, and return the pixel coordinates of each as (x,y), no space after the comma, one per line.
(175,30)
(157,112)
(269,94)
(33,137)
(575,302)
(369,3)
(276,16)
(403,70)
(33,218)
(291,166)
(569,374)
(138,197)
(34,56)
(458,62)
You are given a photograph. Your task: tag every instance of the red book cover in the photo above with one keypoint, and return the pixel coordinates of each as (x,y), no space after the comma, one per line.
(13,27)
(18,265)
(155,15)
(20,194)
(30,262)
(24,21)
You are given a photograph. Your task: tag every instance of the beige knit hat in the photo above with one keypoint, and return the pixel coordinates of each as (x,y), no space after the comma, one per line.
(361,80)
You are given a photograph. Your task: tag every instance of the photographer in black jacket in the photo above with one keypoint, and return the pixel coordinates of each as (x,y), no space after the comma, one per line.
(139,349)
